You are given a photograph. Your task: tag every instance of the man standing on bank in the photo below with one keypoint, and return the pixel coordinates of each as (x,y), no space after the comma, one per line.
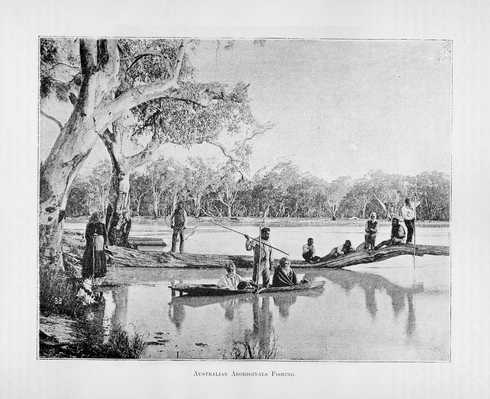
(262,256)
(408,214)
(178,223)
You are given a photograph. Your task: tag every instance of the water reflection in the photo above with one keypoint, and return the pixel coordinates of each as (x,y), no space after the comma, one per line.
(230,304)
(176,314)
(411,315)
(284,302)
(370,283)
(262,326)
(253,320)
(120,299)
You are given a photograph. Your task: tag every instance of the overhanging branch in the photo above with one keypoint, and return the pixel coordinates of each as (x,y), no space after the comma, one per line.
(141,94)
(52,118)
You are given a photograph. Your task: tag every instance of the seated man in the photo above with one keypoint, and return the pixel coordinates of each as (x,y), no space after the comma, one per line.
(309,252)
(397,235)
(370,232)
(231,280)
(284,276)
(337,251)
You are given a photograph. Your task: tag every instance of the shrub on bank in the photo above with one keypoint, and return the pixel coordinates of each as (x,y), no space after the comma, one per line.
(251,348)
(58,293)
(90,344)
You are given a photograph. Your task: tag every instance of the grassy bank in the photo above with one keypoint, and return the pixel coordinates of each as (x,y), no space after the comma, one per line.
(70,328)
(88,341)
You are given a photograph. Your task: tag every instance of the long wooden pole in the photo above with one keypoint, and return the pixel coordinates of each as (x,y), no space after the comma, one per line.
(243,234)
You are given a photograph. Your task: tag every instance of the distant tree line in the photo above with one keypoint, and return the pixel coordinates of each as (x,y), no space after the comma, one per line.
(280,191)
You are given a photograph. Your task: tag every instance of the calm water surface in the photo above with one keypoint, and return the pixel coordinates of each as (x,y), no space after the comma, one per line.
(391,310)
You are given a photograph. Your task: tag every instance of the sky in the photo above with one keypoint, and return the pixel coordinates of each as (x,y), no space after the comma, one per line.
(339,107)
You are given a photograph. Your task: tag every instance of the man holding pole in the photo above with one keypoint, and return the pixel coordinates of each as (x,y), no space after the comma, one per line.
(409,215)
(262,256)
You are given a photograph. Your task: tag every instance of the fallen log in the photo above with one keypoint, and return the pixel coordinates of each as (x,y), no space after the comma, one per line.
(123,257)
(73,244)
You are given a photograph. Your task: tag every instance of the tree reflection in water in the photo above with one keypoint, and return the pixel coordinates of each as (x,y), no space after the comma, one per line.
(370,283)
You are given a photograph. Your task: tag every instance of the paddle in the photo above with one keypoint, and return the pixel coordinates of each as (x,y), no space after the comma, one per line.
(243,234)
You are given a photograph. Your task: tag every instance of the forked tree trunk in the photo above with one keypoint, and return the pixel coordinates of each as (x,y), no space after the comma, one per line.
(95,109)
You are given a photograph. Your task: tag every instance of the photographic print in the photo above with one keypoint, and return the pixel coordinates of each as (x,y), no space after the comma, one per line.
(269,199)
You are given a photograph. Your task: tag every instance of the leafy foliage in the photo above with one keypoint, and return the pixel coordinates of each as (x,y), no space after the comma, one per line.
(59,68)
(90,193)
(281,191)
(194,114)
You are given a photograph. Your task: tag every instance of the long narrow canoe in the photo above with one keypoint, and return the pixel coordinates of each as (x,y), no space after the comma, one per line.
(201,300)
(214,290)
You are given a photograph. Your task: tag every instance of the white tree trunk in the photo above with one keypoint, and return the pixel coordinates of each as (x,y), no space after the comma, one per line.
(95,109)
(100,66)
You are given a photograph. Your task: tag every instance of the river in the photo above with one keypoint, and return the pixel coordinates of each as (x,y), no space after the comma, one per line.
(395,310)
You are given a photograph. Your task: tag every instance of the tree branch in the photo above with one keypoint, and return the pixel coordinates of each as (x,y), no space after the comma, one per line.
(260,129)
(138,95)
(145,54)
(65,64)
(141,157)
(225,152)
(186,100)
(52,118)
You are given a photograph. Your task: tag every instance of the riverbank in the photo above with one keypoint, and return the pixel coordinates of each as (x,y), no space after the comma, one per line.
(61,336)
(71,327)
(273,222)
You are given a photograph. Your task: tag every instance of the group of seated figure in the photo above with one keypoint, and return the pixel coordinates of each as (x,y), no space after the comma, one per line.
(397,237)
(284,276)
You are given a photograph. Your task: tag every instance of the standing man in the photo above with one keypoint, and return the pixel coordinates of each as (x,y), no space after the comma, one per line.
(262,256)
(370,232)
(409,214)
(178,223)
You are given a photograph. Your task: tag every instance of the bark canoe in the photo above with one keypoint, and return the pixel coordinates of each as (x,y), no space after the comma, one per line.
(124,257)
(214,290)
